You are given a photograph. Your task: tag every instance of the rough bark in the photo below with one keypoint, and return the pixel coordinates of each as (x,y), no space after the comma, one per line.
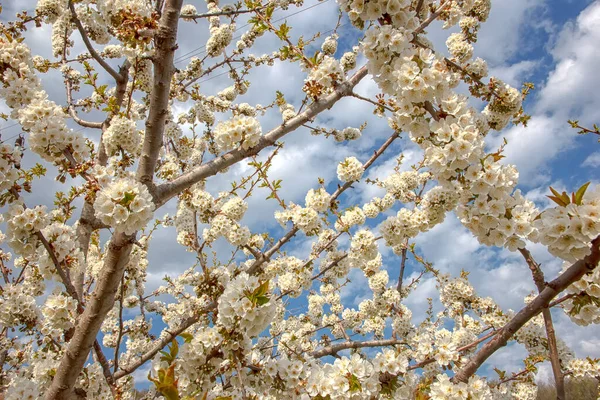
(89,322)
(164,40)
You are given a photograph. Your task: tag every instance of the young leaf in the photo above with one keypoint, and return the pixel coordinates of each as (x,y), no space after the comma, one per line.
(580,193)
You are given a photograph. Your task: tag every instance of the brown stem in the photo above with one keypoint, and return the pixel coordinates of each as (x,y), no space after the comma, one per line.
(402,266)
(552,289)
(335,348)
(169,189)
(89,46)
(538,279)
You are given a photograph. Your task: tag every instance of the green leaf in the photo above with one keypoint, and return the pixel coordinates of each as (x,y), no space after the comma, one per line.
(580,193)
(187,337)
(355,385)
(558,201)
(563,198)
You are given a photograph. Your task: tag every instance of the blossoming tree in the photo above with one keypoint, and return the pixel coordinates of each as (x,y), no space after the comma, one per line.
(75,316)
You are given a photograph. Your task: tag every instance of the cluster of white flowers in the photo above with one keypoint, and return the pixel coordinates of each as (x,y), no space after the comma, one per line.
(239,130)
(326,75)
(64,248)
(584,307)
(122,134)
(22,224)
(348,61)
(203,114)
(583,368)
(10,158)
(225,223)
(220,37)
(93,23)
(352,217)
(504,104)
(568,230)
(352,377)
(244,307)
(293,275)
(17,307)
(112,9)
(22,388)
(402,185)
(475,388)
(59,313)
(234,208)
(348,133)
(350,170)
(459,47)
(363,249)
(319,200)
(378,205)
(49,135)
(124,204)
(329,46)
(288,112)
(188,10)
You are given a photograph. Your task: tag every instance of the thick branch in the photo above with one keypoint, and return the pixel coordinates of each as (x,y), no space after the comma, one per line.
(335,348)
(538,278)
(164,40)
(89,322)
(402,267)
(170,189)
(552,289)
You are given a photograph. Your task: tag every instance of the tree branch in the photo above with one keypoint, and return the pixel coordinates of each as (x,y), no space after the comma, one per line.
(170,189)
(89,322)
(89,46)
(165,44)
(222,13)
(335,348)
(540,283)
(552,289)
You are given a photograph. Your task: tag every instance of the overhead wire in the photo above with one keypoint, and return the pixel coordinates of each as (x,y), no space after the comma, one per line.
(198,51)
(235,69)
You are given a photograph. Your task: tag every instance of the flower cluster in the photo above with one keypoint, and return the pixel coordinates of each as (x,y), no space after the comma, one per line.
(220,38)
(22,225)
(329,46)
(568,230)
(239,130)
(64,248)
(17,307)
(245,305)
(10,158)
(59,313)
(350,170)
(348,133)
(49,135)
(323,78)
(124,204)
(318,200)
(122,134)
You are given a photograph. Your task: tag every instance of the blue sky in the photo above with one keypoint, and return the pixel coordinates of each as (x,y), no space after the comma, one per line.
(548,42)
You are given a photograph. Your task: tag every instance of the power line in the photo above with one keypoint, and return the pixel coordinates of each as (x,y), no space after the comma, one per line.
(198,51)
(235,69)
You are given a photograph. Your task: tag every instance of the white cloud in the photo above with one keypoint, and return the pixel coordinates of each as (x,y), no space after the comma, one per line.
(515,74)
(593,160)
(570,90)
